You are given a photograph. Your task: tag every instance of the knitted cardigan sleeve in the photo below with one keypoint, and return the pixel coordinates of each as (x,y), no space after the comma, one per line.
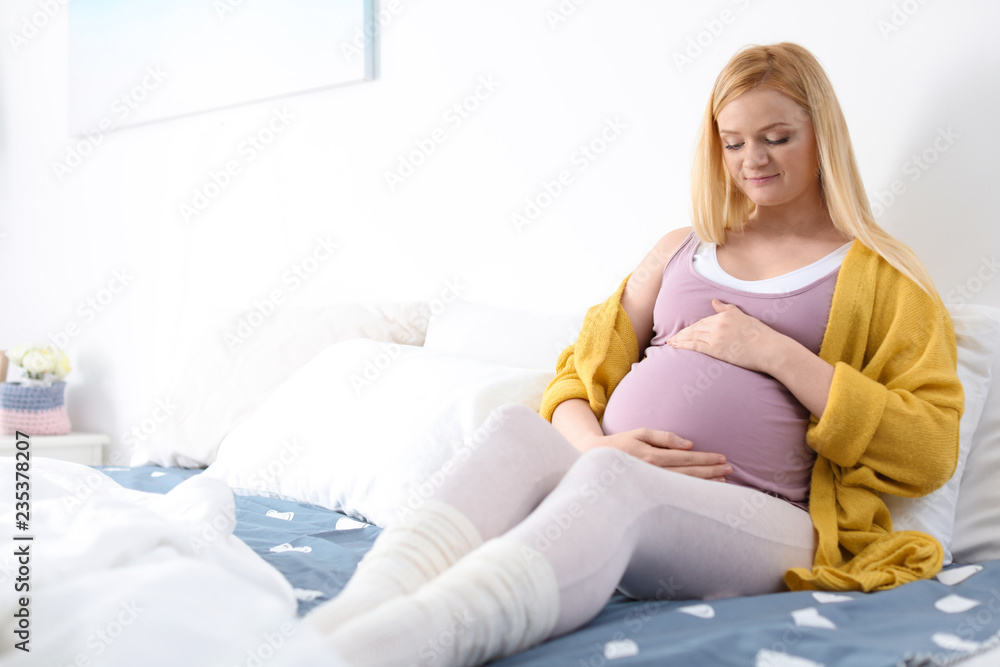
(890,426)
(602,355)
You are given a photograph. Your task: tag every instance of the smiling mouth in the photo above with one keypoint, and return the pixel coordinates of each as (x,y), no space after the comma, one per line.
(761,179)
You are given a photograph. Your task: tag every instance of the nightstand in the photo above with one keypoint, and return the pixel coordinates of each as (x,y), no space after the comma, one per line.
(86,448)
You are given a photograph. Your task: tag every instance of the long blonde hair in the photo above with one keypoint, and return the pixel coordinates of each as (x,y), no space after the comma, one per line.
(719,205)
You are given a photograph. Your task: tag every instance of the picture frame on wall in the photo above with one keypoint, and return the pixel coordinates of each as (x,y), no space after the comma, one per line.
(132,63)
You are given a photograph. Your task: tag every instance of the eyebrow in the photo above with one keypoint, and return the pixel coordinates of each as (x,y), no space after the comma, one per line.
(763,129)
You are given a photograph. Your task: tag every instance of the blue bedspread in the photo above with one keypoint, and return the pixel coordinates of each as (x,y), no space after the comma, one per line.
(923,623)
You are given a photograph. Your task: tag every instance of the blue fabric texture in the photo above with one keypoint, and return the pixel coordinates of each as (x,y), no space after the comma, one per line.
(17,396)
(930,622)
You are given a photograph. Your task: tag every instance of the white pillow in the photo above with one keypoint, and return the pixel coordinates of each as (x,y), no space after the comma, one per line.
(977,336)
(222,383)
(362,425)
(501,335)
(977,520)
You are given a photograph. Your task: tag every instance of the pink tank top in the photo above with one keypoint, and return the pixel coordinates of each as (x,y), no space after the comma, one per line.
(746,415)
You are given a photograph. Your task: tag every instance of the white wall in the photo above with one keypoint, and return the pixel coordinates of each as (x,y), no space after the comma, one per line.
(557,86)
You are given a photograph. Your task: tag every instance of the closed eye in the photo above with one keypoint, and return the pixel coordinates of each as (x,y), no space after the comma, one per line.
(776,142)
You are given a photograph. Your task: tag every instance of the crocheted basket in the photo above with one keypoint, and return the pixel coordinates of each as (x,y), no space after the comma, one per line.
(35,410)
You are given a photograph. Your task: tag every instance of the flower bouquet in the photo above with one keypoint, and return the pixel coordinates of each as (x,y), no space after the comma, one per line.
(36,405)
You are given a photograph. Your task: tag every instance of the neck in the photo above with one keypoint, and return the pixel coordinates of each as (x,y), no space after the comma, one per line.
(807,217)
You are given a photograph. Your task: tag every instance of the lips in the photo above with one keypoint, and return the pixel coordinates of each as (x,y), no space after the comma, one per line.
(761,179)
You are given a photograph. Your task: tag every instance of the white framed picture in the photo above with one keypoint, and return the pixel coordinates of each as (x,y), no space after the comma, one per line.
(132,62)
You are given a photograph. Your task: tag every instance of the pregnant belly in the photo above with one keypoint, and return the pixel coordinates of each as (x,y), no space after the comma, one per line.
(749,417)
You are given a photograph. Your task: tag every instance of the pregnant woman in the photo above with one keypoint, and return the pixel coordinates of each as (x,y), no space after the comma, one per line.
(724,424)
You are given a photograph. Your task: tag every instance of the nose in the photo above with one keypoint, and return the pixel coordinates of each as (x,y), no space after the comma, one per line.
(756,155)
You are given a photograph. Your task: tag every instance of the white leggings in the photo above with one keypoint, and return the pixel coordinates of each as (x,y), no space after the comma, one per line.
(605,519)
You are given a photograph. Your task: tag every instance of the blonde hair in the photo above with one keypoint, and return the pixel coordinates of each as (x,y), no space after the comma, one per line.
(719,205)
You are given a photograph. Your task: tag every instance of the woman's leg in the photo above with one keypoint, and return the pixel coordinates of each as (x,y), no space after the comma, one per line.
(612,519)
(617,521)
(520,461)
(504,471)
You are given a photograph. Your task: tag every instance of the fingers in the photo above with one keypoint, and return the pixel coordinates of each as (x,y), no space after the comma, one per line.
(694,337)
(715,473)
(705,471)
(664,439)
(689,343)
(721,307)
(670,451)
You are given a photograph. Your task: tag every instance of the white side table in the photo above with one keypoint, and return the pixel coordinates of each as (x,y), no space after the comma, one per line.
(86,448)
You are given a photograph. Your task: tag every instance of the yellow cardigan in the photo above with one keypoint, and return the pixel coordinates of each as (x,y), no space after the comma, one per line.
(890,423)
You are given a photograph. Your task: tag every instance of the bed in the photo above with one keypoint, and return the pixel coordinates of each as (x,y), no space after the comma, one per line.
(256,503)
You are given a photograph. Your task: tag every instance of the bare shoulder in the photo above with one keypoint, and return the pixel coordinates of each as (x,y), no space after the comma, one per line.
(644,284)
(669,243)
(652,264)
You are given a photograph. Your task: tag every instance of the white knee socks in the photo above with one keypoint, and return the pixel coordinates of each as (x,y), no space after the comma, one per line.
(499,600)
(427,542)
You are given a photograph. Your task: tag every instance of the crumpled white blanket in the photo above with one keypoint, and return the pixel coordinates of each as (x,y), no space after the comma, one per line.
(120,578)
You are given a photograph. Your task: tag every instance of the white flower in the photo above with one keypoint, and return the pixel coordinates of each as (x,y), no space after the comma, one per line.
(16,353)
(61,366)
(36,362)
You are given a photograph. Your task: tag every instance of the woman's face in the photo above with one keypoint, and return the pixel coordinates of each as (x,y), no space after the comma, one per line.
(770,148)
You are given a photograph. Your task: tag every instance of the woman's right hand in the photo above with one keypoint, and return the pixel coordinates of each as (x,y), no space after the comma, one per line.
(665,450)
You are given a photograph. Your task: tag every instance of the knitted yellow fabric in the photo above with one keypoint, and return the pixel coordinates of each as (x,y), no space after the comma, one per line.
(890,423)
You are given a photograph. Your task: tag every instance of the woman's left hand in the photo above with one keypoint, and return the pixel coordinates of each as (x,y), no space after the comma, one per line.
(731,336)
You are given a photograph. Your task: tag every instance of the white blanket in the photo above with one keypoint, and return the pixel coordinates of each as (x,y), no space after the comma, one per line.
(121,577)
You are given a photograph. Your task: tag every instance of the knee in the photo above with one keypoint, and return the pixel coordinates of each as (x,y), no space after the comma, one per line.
(606,460)
(604,473)
(515,430)
(510,414)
